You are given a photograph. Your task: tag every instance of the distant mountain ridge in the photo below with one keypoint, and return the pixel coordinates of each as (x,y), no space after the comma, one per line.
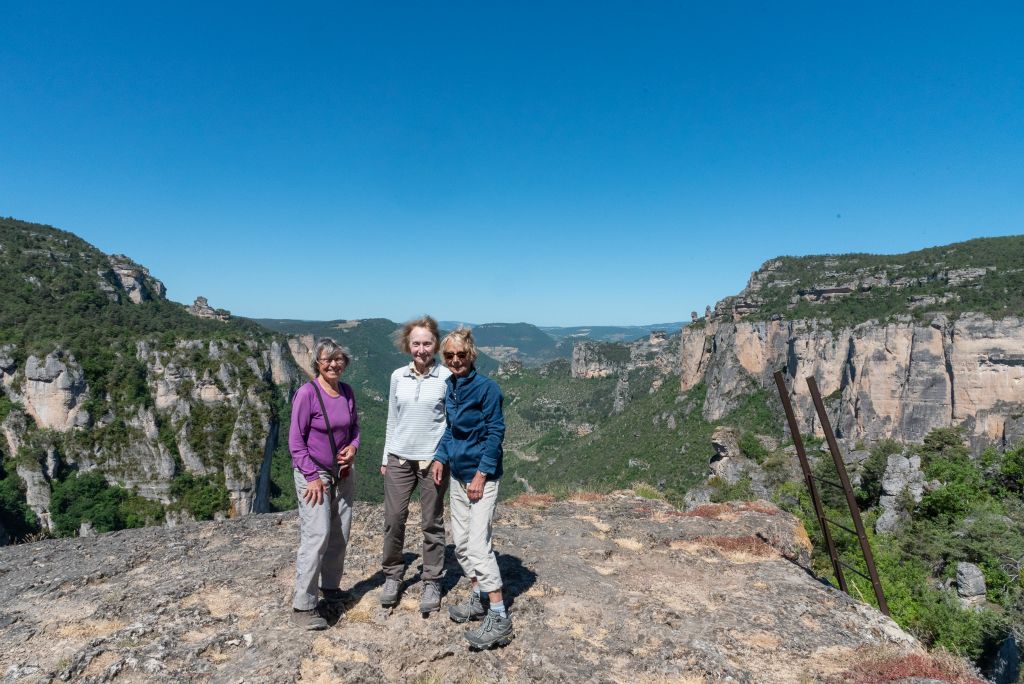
(536,345)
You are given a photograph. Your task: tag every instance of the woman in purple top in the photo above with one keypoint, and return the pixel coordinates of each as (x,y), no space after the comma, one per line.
(322,455)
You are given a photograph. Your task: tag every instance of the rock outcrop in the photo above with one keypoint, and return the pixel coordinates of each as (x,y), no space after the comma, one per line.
(898,380)
(52,389)
(301,348)
(970,584)
(201,309)
(902,484)
(134,280)
(713,595)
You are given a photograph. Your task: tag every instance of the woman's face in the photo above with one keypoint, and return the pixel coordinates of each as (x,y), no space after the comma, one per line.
(331,368)
(457,359)
(422,346)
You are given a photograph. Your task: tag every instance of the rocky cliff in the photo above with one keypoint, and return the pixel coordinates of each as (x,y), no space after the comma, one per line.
(100,372)
(896,380)
(614,589)
(898,345)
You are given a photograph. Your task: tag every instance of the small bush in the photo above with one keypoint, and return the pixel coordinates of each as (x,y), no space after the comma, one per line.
(752,448)
(200,496)
(721,491)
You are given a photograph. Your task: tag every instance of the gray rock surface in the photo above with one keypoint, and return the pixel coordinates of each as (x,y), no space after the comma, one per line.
(604,589)
(970,583)
(902,481)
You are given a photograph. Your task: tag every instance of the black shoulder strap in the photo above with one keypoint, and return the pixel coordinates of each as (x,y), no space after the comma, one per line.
(327,421)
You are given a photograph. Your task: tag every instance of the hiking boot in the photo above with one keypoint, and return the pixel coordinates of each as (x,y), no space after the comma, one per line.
(495,631)
(430,599)
(389,594)
(308,619)
(470,609)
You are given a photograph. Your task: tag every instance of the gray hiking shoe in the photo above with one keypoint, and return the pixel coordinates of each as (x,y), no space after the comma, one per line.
(470,609)
(495,631)
(389,594)
(430,599)
(308,619)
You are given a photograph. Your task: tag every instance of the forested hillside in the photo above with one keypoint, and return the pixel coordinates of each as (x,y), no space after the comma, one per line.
(118,407)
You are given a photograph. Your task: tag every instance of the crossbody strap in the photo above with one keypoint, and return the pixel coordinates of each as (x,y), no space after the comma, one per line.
(327,421)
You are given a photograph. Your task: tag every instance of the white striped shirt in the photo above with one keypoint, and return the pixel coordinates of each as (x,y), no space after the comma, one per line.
(415,413)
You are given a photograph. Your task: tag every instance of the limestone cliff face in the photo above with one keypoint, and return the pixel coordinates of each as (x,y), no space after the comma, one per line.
(226,380)
(896,380)
(301,348)
(195,387)
(52,389)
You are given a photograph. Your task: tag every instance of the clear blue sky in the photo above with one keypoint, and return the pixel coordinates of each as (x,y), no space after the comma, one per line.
(557,163)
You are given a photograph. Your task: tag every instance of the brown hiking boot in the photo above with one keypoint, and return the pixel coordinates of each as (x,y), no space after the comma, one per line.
(308,619)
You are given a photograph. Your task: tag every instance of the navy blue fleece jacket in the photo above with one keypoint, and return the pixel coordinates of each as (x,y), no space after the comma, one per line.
(475,428)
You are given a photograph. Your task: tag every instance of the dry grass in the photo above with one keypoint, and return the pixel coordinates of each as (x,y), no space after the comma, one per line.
(720,510)
(762,507)
(629,544)
(541,501)
(89,629)
(712,511)
(586,497)
(748,545)
(940,666)
(99,664)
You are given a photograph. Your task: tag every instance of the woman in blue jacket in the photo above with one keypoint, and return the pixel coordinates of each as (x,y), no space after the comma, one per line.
(471,450)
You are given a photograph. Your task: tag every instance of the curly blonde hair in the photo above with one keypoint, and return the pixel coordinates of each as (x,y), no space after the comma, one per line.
(462,337)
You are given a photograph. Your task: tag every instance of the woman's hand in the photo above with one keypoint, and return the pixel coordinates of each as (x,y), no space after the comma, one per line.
(437,470)
(346,455)
(383,470)
(475,490)
(314,494)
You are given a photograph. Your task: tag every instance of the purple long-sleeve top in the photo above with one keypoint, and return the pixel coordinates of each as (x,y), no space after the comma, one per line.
(307,439)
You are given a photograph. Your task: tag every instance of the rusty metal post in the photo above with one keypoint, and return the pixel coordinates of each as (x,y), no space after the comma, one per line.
(837,458)
(805,466)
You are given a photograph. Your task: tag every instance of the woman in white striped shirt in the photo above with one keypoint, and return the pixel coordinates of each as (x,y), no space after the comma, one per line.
(416,422)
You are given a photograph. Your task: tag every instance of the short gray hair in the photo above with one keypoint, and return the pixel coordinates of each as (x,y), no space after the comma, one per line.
(327,347)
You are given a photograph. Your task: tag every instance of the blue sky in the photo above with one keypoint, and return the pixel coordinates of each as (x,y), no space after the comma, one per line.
(557,163)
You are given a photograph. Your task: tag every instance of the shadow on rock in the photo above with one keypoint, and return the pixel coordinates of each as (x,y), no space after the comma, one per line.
(517,578)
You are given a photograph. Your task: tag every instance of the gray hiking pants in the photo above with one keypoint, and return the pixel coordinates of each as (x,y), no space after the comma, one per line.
(323,538)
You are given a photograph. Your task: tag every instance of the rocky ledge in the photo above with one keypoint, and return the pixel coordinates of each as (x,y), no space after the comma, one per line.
(610,589)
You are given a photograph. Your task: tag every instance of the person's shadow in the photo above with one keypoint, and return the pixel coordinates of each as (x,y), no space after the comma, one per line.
(516,578)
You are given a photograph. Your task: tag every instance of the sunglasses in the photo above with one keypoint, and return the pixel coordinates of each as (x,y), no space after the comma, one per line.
(463,355)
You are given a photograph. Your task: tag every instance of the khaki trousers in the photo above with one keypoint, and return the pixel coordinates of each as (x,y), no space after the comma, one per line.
(471,532)
(399,482)
(323,538)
